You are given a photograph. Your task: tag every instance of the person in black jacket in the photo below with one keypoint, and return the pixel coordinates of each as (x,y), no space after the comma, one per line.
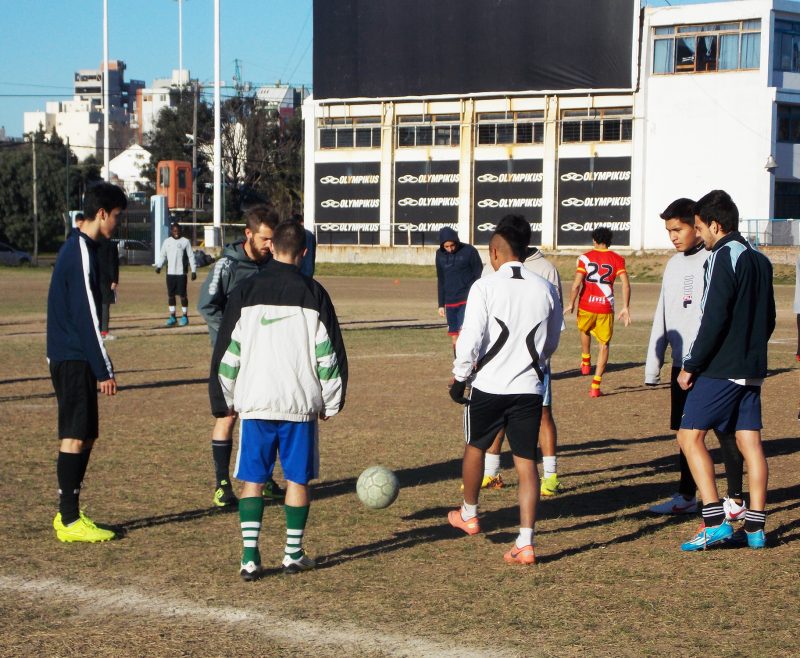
(725,366)
(458,266)
(108,264)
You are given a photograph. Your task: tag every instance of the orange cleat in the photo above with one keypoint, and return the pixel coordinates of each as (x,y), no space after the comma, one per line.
(524,555)
(586,368)
(595,393)
(471,527)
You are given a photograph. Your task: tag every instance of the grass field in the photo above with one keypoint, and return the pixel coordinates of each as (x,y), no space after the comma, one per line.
(609,579)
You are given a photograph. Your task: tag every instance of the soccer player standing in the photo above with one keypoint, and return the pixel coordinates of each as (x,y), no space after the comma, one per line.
(177,252)
(286,320)
(725,366)
(77,357)
(675,324)
(238,262)
(511,327)
(594,282)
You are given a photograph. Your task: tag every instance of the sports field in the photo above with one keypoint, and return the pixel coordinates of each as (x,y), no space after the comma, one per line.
(610,579)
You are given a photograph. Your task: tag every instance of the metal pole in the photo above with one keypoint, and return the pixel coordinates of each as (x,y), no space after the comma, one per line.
(66,194)
(180,46)
(106,114)
(217,132)
(194,164)
(35,205)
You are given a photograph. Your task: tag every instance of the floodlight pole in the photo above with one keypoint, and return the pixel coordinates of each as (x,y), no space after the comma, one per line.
(106,114)
(217,131)
(35,204)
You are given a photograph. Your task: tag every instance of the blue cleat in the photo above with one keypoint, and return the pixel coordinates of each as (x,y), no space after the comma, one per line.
(183,321)
(709,537)
(756,539)
(172,321)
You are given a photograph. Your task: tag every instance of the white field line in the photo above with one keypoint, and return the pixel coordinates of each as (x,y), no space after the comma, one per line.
(130,601)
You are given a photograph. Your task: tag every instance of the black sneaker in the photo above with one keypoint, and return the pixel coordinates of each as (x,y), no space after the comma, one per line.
(272,491)
(224,496)
(251,571)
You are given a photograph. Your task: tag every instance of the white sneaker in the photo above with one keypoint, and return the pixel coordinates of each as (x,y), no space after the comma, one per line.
(294,565)
(734,511)
(109,337)
(676,505)
(251,571)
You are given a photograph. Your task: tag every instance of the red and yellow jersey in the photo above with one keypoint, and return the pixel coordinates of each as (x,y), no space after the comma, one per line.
(600,267)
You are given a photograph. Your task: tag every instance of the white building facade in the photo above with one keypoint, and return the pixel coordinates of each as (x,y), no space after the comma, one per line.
(715,91)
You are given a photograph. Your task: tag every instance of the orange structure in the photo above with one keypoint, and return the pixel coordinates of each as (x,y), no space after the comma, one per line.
(174,181)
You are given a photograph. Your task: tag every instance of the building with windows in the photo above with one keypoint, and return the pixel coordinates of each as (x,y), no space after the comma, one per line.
(573,124)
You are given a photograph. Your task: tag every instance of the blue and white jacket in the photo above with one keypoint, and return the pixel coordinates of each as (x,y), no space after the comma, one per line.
(73,322)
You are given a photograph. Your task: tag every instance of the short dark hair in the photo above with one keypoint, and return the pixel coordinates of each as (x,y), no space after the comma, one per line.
(289,238)
(519,224)
(105,196)
(512,236)
(261,214)
(603,235)
(682,209)
(717,206)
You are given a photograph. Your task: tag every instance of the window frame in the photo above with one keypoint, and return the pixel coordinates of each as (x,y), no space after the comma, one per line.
(345,131)
(593,124)
(428,130)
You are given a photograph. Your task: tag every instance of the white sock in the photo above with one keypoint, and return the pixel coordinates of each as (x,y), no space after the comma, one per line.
(491,464)
(525,537)
(172,310)
(184,309)
(549,465)
(468,511)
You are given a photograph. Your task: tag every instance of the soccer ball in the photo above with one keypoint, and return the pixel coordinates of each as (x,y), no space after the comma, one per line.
(377,487)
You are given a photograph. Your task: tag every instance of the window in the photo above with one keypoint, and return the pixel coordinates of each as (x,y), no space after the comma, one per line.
(349,132)
(181,179)
(787,200)
(510,128)
(614,124)
(163,176)
(789,123)
(787,46)
(428,130)
(705,48)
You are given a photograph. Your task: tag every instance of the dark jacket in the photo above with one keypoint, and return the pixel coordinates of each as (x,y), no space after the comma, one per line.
(108,263)
(456,272)
(738,313)
(73,304)
(310,259)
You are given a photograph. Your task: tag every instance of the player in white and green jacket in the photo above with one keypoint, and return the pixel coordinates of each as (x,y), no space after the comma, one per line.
(280,363)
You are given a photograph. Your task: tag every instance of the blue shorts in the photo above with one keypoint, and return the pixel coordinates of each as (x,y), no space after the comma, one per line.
(721,405)
(455,317)
(261,440)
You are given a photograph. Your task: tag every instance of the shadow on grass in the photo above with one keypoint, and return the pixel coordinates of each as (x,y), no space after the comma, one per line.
(611,367)
(118,372)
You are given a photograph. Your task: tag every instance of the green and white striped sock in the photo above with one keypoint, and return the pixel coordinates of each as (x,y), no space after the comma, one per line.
(296,518)
(251,511)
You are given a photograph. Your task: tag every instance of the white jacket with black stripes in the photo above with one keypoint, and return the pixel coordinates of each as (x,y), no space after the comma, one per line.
(512,325)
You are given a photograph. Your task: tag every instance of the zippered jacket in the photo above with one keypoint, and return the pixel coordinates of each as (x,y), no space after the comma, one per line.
(677,315)
(178,254)
(279,354)
(456,272)
(512,324)
(738,313)
(73,305)
(233,267)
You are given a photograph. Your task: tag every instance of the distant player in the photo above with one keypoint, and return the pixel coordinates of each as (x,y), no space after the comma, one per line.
(287,321)
(511,327)
(78,358)
(550,484)
(108,263)
(458,266)
(725,366)
(239,261)
(594,282)
(177,252)
(675,324)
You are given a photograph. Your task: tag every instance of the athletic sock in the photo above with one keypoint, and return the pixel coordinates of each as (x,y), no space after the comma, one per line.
(491,465)
(754,520)
(68,470)
(185,310)
(713,514)
(221,452)
(296,518)
(468,511)
(251,511)
(549,466)
(596,382)
(172,311)
(525,537)
(586,359)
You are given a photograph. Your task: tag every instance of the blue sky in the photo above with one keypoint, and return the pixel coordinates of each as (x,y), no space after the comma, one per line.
(45,41)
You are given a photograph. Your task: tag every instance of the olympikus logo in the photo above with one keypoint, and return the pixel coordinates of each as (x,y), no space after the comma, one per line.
(597,201)
(344,228)
(350,180)
(428,178)
(351,203)
(429,201)
(510,178)
(488,227)
(591,226)
(573,176)
(421,228)
(509,203)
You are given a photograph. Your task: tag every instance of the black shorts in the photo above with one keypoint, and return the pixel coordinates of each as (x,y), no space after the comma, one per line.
(76,392)
(176,285)
(677,400)
(520,415)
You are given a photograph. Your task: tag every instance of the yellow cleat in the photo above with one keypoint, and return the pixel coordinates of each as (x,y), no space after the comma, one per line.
(550,485)
(82,530)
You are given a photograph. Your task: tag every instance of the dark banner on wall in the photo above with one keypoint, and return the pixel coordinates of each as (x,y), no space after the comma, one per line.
(425,201)
(593,192)
(386,48)
(507,187)
(348,203)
